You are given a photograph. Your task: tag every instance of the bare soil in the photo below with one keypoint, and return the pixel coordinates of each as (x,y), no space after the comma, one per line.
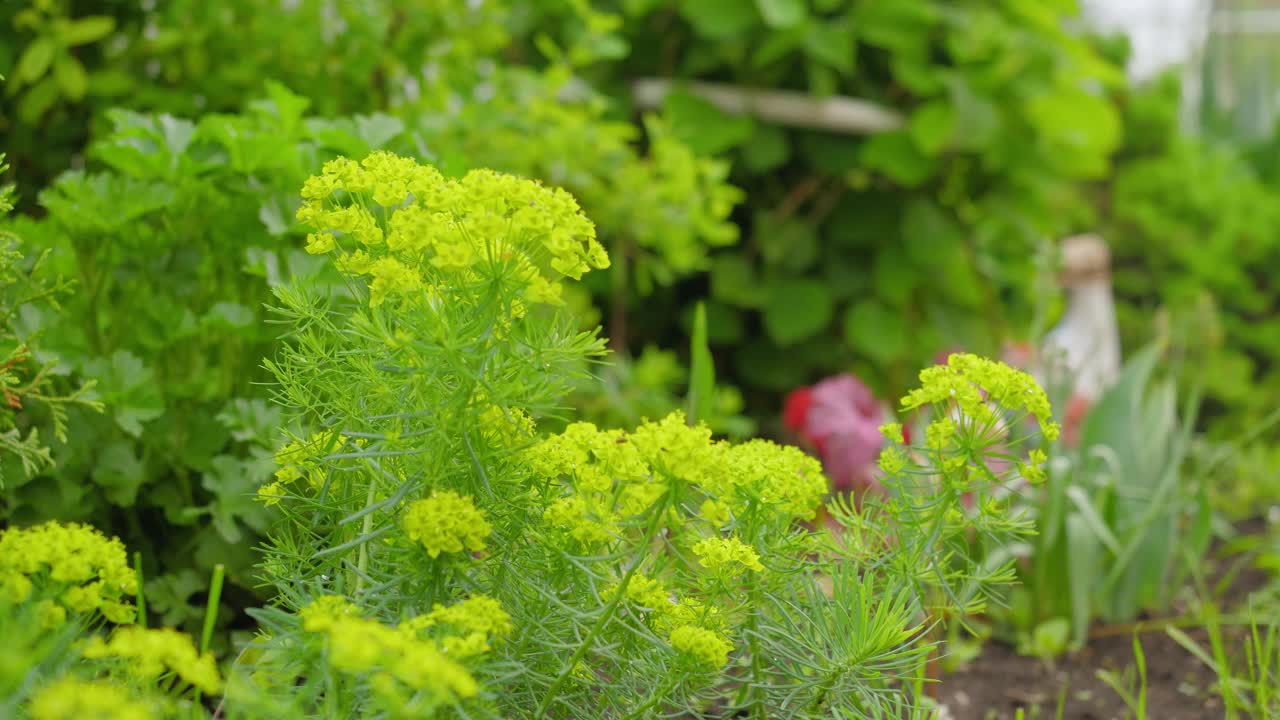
(1179,686)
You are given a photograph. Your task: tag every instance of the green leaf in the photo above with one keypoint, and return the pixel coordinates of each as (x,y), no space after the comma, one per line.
(702,371)
(797,309)
(33,64)
(875,331)
(171,595)
(38,100)
(932,126)
(86,30)
(767,149)
(129,389)
(120,473)
(894,276)
(71,77)
(719,19)
(790,243)
(229,316)
(782,13)
(831,153)
(776,45)
(724,325)
(704,127)
(110,83)
(733,281)
(894,154)
(832,44)
(234,484)
(1049,638)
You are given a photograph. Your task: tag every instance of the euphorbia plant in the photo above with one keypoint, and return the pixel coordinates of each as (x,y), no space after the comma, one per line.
(435,554)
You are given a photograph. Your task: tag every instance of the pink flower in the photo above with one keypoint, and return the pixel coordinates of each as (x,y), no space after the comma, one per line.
(841,418)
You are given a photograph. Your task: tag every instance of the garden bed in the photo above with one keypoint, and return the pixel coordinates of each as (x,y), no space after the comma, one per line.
(1179,686)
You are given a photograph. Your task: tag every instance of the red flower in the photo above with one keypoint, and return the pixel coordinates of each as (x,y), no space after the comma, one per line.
(795,409)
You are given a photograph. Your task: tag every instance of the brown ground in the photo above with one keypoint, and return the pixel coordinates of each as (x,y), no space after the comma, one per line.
(1179,686)
(1001,681)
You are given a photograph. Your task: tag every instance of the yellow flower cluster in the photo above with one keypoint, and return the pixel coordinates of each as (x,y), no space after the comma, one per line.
(446,522)
(707,647)
(151,653)
(301,460)
(506,427)
(361,646)
(87,570)
(690,626)
(1033,469)
(480,618)
(72,699)
(609,476)
(487,224)
(727,556)
(965,378)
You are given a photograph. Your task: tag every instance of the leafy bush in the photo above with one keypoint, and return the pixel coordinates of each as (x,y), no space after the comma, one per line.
(174,238)
(434,551)
(873,253)
(28,384)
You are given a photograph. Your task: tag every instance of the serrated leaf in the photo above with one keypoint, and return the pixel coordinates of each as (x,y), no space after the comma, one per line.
(797,309)
(119,473)
(229,316)
(234,484)
(252,420)
(129,389)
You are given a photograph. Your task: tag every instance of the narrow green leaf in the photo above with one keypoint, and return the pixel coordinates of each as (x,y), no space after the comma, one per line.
(86,30)
(702,372)
(71,77)
(33,64)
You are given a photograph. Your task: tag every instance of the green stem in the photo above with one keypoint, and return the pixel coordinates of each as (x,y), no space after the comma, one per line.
(211,606)
(605,616)
(367,527)
(142,596)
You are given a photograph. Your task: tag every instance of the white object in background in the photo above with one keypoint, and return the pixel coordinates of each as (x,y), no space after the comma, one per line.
(1085,346)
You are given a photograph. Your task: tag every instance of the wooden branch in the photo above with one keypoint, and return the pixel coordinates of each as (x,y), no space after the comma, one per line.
(836,113)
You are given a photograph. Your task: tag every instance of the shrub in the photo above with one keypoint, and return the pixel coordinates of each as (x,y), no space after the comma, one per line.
(434,550)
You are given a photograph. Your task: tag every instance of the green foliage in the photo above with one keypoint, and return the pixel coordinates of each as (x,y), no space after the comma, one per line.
(59,585)
(1190,220)
(174,237)
(434,551)
(69,64)
(27,381)
(924,232)
(1120,521)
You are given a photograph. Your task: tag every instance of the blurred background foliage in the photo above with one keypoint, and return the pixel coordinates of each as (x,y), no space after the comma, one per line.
(158,147)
